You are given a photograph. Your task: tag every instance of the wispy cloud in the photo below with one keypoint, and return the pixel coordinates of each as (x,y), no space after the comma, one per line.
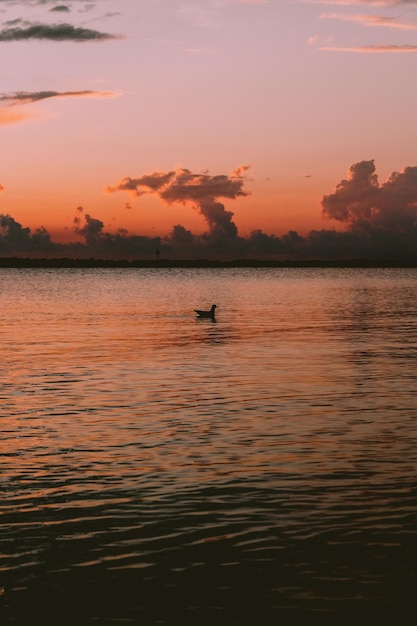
(61,8)
(372,49)
(14,116)
(13,111)
(26,97)
(250,1)
(372,3)
(53,32)
(370,20)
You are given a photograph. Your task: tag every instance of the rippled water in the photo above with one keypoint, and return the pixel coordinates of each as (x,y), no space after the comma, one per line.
(159,469)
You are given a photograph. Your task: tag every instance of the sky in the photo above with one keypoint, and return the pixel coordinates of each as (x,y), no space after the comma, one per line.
(207,127)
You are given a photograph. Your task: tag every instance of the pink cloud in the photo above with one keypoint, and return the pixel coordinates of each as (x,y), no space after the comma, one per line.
(370,20)
(374,3)
(8,116)
(377,49)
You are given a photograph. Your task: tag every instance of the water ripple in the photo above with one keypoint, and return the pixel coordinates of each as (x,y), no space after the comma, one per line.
(160,470)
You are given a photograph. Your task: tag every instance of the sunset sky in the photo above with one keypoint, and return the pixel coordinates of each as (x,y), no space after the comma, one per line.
(148,114)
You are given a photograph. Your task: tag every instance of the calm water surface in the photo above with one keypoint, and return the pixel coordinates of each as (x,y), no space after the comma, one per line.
(159,469)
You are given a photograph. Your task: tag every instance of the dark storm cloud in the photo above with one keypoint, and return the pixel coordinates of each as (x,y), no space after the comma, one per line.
(200,190)
(92,229)
(219,220)
(53,32)
(355,196)
(360,201)
(180,236)
(15,239)
(19,241)
(101,244)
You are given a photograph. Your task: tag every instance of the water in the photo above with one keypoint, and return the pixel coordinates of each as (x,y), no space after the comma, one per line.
(159,469)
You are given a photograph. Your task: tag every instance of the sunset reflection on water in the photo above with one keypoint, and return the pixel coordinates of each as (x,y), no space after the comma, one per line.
(143,450)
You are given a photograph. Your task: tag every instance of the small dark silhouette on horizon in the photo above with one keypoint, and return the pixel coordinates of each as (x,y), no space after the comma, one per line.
(209,314)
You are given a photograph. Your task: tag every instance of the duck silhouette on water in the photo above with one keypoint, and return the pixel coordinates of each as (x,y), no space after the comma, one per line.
(209,314)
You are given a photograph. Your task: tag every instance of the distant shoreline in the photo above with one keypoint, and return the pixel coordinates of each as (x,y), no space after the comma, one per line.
(16,262)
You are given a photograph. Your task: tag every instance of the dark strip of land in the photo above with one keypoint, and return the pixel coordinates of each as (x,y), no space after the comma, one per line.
(17,262)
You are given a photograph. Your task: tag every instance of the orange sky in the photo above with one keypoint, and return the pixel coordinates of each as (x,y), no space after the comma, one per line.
(298,90)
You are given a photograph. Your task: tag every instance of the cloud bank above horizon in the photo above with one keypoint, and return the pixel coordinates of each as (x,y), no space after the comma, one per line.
(380,222)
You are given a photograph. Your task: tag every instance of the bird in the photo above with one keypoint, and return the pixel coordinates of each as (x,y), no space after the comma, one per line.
(206,313)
